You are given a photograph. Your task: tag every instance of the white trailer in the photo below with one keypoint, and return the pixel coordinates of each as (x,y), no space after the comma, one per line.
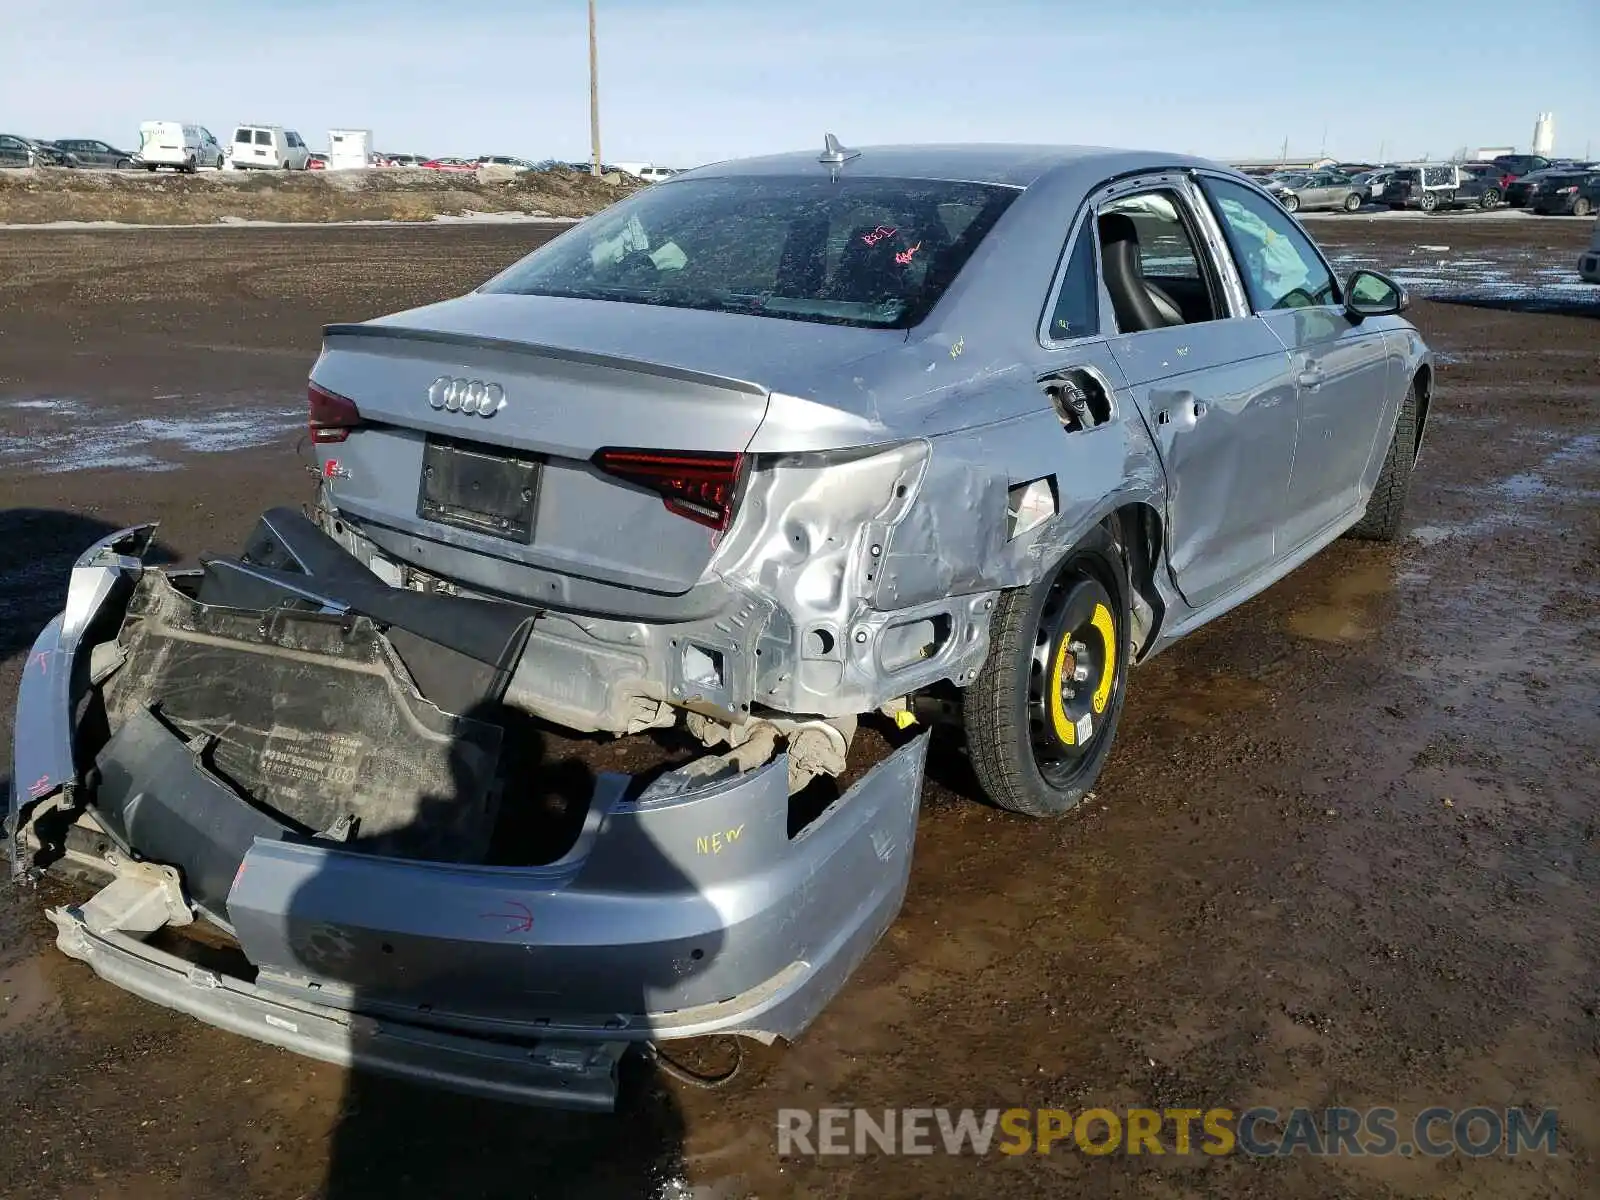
(349,149)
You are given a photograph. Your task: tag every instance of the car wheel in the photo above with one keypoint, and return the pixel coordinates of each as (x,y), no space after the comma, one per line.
(1489,199)
(1581,207)
(1042,714)
(1352,202)
(124,164)
(1429,202)
(1290,202)
(1381,521)
(190,166)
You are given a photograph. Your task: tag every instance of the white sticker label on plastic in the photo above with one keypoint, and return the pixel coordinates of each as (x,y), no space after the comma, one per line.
(1085,729)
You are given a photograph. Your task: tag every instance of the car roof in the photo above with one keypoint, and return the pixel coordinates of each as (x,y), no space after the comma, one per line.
(998,163)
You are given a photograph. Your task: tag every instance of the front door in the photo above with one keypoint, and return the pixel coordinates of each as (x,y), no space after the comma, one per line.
(1214,389)
(1340,367)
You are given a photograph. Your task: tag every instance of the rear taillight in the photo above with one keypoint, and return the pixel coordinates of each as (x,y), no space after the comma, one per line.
(700,486)
(332,417)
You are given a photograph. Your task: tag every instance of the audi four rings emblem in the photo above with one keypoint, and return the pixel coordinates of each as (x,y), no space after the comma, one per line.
(467,396)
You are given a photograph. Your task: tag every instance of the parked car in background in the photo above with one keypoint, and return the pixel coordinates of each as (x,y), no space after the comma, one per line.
(1589,264)
(403,160)
(1316,190)
(1521,191)
(506,160)
(450,164)
(1370,183)
(18,151)
(1570,193)
(91,153)
(1515,166)
(270,147)
(1431,186)
(646,171)
(177,144)
(316,161)
(41,153)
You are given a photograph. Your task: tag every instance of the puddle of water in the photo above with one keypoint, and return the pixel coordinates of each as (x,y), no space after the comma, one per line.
(1520,487)
(1342,617)
(87,436)
(25,995)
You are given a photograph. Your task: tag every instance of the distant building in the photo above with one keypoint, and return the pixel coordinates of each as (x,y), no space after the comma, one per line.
(1544,134)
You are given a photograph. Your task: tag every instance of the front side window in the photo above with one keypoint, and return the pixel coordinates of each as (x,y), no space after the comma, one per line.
(1280,266)
(862,251)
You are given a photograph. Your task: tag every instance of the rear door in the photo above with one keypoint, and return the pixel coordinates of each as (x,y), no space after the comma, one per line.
(1340,368)
(1215,391)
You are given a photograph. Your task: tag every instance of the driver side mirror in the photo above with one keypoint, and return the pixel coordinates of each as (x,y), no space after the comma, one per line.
(1368,294)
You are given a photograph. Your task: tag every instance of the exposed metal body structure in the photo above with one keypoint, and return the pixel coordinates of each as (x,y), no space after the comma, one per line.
(891,484)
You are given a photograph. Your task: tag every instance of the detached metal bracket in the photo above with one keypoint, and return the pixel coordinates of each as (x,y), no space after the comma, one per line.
(140,900)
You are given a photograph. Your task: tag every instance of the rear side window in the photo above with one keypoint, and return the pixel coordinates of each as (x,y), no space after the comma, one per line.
(1077,310)
(865,251)
(263,138)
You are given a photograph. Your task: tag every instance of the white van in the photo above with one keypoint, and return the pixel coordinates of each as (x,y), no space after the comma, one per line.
(269,146)
(176,144)
(645,171)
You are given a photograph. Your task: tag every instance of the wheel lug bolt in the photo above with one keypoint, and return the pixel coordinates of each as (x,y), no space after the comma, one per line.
(1080,674)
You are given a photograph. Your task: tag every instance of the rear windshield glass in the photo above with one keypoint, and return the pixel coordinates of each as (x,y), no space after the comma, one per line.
(868,252)
(263,138)
(242,135)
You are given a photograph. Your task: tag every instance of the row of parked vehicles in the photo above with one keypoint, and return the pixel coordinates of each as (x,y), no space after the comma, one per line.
(1543,185)
(187,147)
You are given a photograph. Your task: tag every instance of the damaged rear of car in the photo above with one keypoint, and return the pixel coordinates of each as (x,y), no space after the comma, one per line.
(763,455)
(321,766)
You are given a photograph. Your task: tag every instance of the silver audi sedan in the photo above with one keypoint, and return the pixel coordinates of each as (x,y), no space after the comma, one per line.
(936,438)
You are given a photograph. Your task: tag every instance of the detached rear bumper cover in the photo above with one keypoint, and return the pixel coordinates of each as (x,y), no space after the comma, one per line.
(674,915)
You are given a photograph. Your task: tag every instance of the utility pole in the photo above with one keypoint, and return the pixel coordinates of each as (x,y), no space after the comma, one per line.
(594,96)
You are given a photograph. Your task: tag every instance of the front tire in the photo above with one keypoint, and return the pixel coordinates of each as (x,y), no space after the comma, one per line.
(1352,202)
(1488,200)
(1581,207)
(1291,203)
(1042,714)
(1381,521)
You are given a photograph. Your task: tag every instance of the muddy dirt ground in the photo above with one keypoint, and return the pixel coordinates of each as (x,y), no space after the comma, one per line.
(1345,852)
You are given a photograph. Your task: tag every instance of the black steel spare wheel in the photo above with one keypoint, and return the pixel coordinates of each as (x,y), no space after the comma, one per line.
(1042,713)
(1074,667)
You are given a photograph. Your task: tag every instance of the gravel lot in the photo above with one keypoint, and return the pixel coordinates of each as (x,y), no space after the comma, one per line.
(1345,852)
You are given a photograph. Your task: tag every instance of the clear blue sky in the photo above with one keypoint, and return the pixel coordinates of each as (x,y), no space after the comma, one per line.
(689,81)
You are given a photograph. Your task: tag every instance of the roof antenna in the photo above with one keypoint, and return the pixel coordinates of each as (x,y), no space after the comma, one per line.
(834,155)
